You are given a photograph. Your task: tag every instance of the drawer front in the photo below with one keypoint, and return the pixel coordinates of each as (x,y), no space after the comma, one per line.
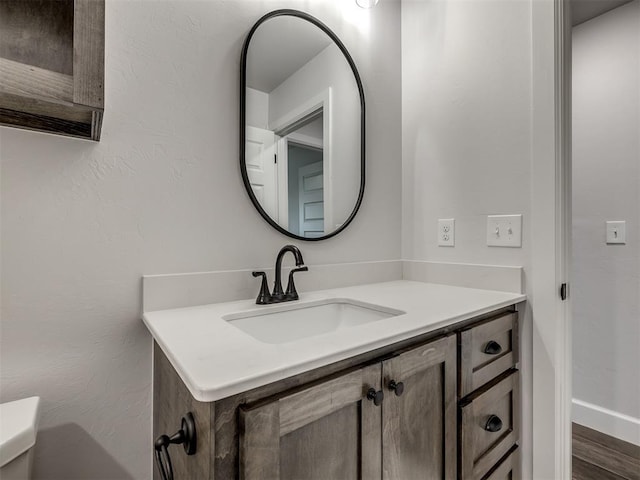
(489,427)
(509,468)
(486,351)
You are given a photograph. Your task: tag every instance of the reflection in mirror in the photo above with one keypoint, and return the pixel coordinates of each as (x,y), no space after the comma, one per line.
(303,161)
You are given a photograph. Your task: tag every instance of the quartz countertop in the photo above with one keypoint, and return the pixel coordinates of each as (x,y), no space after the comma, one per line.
(216,360)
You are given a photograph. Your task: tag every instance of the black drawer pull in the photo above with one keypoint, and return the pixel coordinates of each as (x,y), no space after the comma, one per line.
(494,424)
(492,348)
(377,397)
(396,387)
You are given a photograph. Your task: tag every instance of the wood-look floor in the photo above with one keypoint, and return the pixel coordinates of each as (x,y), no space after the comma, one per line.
(597,456)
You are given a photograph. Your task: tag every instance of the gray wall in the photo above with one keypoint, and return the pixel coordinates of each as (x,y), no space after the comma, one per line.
(606,186)
(161,193)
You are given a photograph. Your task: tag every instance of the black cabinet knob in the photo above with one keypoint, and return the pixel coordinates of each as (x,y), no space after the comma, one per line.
(492,348)
(494,424)
(398,387)
(376,396)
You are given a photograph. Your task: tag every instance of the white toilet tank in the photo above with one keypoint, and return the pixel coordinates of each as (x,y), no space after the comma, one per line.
(18,430)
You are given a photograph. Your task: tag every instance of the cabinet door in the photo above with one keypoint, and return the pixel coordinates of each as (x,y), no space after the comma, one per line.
(327,431)
(419,415)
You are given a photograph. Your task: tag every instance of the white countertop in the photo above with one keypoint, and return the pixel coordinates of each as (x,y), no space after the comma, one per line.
(216,360)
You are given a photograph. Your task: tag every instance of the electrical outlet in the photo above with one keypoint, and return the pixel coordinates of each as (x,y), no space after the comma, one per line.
(504,230)
(616,232)
(446,232)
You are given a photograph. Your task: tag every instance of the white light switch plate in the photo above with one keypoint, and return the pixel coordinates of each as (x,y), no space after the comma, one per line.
(617,231)
(446,232)
(504,230)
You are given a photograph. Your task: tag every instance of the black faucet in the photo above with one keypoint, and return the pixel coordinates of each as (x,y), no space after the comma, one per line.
(278,296)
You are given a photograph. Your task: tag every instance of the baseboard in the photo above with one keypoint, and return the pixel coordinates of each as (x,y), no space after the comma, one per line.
(614,424)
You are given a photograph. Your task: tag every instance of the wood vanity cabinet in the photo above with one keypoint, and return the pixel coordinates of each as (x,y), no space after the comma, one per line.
(332,422)
(52,66)
(489,403)
(335,430)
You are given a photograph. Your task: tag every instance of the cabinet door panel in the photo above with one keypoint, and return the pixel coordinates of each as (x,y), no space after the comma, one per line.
(324,449)
(419,435)
(329,430)
(311,404)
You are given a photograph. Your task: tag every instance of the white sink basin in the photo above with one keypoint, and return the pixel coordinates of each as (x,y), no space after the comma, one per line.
(288,322)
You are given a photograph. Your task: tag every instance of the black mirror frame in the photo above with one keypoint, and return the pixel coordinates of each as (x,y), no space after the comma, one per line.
(243,100)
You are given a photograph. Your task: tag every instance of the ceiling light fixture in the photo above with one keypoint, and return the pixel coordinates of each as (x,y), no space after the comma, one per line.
(367,3)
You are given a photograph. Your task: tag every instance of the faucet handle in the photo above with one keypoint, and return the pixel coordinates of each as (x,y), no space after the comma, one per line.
(291,293)
(264,296)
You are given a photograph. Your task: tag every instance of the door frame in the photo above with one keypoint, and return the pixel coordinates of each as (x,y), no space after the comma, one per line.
(551,244)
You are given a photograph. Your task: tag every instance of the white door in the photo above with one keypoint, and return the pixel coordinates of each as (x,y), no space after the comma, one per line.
(311,200)
(261,168)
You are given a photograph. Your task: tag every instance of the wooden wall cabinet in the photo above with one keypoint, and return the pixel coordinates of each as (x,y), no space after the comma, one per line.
(327,424)
(52,66)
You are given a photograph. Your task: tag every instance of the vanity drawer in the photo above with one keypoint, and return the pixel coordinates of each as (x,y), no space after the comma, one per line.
(486,351)
(489,426)
(509,468)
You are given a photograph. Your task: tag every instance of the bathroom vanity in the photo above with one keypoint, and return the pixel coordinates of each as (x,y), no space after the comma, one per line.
(428,389)
(393,380)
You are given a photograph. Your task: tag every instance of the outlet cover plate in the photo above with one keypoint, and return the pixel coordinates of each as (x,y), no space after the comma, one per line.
(504,231)
(446,232)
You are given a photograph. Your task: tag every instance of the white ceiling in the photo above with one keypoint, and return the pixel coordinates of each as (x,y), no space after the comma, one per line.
(583,10)
(279,47)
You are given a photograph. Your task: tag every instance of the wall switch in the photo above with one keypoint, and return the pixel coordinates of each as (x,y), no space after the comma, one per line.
(446,232)
(616,231)
(504,230)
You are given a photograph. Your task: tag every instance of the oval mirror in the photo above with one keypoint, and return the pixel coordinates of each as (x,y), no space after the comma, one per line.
(301,126)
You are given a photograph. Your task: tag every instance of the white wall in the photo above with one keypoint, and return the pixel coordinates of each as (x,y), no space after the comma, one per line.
(329,70)
(606,186)
(161,193)
(257,105)
(466,125)
(466,137)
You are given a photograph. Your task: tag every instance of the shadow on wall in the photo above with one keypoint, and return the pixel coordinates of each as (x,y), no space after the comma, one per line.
(62,445)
